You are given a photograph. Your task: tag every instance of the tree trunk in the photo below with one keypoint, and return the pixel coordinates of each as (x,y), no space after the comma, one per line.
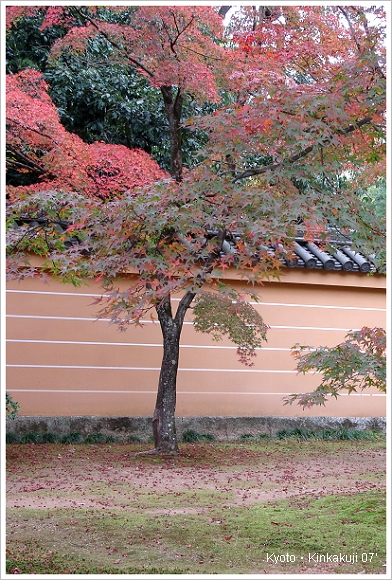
(163,422)
(173,107)
(223,10)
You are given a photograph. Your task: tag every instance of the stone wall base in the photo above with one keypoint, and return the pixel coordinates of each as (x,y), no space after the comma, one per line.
(223,428)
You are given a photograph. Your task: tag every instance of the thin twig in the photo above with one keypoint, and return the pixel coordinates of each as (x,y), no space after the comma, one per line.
(273,166)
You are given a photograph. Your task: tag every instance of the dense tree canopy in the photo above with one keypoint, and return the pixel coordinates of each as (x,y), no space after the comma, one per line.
(97,98)
(40,148)
(299,131)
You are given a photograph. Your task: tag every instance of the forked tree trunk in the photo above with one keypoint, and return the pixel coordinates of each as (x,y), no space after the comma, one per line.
(163,422)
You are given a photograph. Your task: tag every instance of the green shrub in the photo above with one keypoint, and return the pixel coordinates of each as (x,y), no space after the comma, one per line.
(253,438)
(133,439)
(341,434)
(301,433)
(71,438)
(352,434)
(111,439)
(208,437)
(49,438)
(11,437)
(283,434)
(95,438)
(191,436)
(247,437)
(31,437)
(11,406)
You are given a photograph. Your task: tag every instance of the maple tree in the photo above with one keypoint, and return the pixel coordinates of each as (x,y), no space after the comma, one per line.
(357,363)
(97,100)
(300,130)
(39,147)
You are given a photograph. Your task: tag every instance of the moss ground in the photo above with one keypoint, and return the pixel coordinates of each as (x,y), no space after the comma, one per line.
(102,510)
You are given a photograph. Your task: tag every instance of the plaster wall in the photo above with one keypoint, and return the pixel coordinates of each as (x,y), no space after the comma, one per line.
(61,361)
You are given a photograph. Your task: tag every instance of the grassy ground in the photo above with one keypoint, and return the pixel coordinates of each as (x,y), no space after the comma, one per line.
(281,507)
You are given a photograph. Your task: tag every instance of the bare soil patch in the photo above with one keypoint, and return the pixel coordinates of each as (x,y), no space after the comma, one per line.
(78,475)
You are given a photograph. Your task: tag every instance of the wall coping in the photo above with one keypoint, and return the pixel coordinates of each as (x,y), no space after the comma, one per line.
(293,276)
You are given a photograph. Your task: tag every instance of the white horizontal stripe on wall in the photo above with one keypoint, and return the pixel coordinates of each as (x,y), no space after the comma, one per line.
(180,392)
(193,370)
(157,345)
(91,319)
(152,322)
(74,294)
(286,304)
(316,306)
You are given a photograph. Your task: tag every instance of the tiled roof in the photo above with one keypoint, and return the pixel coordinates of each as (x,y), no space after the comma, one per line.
(341,256)
(313,256)
(310,255)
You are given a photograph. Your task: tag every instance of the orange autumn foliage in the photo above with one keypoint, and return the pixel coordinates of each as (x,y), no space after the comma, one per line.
(38,143)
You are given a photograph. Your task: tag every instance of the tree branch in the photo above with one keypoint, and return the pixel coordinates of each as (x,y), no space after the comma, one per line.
(206,56)
(343,11)
(27,128)
(179,32)
(183,306)
(223,10)
(164,309)
(26,162)
(273,166)
(113,43)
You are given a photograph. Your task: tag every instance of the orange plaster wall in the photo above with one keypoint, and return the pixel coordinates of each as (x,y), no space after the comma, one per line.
(62,361)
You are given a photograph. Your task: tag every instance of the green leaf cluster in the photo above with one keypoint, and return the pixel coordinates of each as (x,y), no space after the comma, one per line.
(27,46)
(220,315)
(376,197)
(11,406)
(356,364)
